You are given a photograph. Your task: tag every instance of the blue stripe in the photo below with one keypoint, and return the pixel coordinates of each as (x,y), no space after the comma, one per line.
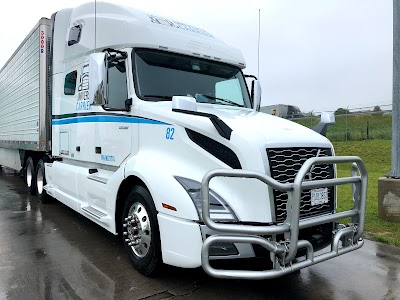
(106,119)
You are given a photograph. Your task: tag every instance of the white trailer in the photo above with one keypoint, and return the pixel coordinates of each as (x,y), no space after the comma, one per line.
(24,99)
(145,126)
(282,110)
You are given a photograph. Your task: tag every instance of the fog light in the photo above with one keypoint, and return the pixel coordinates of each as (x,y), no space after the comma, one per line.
(223,249)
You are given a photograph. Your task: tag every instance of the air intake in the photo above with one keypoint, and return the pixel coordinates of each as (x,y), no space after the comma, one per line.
(220,151)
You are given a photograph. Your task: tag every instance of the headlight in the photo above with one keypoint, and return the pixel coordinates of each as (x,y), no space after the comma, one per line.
(219,209)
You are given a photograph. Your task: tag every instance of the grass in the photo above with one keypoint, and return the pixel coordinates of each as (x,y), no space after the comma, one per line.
(376,155)
(355,127)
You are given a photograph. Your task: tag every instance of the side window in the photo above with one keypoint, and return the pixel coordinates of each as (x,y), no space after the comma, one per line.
(74,35)
(117,87)
(70,83)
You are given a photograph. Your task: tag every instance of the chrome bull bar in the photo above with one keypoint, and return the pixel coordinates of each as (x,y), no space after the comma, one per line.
(351,237)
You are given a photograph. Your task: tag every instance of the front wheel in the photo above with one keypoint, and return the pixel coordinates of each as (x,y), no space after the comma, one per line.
(140,231)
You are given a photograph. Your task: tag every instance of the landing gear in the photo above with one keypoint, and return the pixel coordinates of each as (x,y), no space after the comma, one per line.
(140,231)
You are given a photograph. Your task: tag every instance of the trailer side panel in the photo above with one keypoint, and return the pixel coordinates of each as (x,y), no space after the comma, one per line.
(23,93)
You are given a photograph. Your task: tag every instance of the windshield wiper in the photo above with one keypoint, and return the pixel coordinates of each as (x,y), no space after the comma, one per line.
(221,99)
(158,96)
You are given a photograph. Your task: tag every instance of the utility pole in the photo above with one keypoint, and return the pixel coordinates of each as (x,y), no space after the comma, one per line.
(395,171)
(389,186)
(258,46)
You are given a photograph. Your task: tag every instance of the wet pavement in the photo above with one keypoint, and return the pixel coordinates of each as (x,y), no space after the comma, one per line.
(51,252)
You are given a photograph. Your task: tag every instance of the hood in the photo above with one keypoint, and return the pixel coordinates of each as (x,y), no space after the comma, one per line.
(273,130)
(246,124)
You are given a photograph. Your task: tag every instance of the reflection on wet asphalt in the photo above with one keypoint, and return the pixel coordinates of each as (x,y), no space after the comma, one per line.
(51,252)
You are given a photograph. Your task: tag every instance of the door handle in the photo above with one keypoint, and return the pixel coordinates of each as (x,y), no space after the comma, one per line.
(98,150)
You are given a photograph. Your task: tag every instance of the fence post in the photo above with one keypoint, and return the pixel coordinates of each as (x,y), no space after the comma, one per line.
(346,125)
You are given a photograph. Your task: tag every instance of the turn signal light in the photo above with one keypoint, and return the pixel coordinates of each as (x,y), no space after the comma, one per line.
(168,207)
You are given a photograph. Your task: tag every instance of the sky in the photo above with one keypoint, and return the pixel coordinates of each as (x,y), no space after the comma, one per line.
(317,55)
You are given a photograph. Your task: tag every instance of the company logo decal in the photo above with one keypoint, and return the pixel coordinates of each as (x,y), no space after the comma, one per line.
(175,24)
(42,41)
(108,157)
(83,102)
(309,173)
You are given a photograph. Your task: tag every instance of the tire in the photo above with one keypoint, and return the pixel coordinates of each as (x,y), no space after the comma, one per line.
(41,182)
(145,255)
(30,176)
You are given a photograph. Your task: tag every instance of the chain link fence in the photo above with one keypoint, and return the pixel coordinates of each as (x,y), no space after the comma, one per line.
(356,123)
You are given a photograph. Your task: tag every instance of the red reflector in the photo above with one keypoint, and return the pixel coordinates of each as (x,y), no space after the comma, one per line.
(168,207)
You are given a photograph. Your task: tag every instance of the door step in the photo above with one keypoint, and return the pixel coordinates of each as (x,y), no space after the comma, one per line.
(94,212)
(50,190)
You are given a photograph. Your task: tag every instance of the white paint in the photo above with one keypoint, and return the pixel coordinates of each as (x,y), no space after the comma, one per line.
(101,150)
(183,247)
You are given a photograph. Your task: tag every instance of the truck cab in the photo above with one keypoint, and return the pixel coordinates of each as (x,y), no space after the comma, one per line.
(154,136)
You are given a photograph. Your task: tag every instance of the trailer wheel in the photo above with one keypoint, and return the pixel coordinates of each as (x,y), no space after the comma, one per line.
(30,176)
(42,195)
(140,231)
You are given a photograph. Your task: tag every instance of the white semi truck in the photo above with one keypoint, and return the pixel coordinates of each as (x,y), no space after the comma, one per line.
(145,126)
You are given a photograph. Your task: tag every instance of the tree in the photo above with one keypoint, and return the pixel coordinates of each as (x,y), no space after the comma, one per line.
(377,108)
(342,111)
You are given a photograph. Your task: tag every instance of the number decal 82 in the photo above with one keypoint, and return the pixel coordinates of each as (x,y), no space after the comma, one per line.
(169,135)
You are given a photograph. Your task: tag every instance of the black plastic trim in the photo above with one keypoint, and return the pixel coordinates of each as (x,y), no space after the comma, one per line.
(224,130)
(216,149)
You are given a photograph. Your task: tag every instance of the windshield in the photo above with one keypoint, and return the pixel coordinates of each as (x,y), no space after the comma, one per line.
(160,75)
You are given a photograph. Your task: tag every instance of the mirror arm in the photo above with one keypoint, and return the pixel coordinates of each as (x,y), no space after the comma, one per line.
(106,108)
(128,104)
(250,76)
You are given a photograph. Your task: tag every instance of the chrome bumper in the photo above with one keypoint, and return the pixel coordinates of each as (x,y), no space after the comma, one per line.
(285,253)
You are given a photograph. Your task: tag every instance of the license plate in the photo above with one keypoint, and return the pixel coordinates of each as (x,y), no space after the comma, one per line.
(319,196)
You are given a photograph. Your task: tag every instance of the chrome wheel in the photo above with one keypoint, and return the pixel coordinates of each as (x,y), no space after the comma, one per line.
(138,229)
(39,180)
(29,175)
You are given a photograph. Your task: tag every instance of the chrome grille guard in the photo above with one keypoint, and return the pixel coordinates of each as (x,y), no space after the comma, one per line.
(350,236)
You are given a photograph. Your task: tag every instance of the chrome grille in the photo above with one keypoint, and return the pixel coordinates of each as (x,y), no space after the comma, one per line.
(284,165)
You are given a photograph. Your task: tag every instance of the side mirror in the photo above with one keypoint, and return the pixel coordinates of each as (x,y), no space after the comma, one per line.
(327,118)
(97,78)
(256,95)
(184,103)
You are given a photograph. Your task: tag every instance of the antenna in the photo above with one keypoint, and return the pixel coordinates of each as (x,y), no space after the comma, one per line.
(258,54)
(95,24)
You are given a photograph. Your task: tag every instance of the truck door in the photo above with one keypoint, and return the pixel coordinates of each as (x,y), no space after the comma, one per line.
(113,140)
(81,134)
